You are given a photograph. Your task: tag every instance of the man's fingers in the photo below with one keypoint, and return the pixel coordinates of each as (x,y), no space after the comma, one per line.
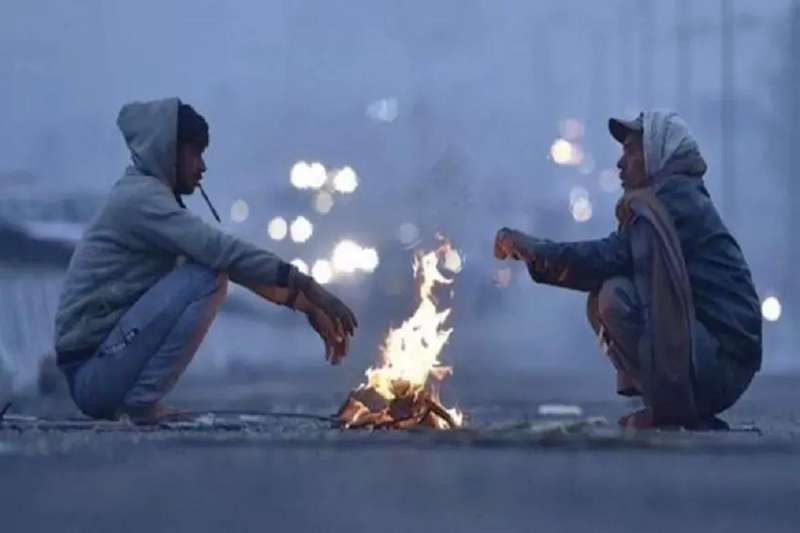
(340,332)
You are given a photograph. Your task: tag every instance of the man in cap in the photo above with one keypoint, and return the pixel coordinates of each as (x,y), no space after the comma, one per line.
(670,295)
(147,278)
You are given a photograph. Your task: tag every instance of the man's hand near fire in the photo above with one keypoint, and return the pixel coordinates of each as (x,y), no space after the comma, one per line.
(514,244)
(333,321)
(330,317)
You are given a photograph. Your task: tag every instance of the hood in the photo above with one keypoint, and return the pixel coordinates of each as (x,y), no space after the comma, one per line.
(669,148)
(151,131)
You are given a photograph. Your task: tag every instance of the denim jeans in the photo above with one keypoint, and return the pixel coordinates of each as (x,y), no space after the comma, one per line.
(718,380)
(147,351)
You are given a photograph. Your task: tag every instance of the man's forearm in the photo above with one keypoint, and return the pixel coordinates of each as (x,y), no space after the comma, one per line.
(282,296)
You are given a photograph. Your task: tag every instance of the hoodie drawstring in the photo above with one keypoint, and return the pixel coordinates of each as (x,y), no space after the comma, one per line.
(210,205)
(205,197)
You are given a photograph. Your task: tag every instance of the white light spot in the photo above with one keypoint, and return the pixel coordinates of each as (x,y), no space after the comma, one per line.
(452,261)
(345,180)
(572,129)
(384,110)
(346,257)
(322,271)
(239,211)
(609,180)
(278,228)
(300,265)
(409,234)
(564,152)
(323,202)
(771,309)
(577,193)
(301,229)
(308,175)
(582,210)
(368,260)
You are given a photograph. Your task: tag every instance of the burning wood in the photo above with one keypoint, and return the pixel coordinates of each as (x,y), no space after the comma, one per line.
(402,393)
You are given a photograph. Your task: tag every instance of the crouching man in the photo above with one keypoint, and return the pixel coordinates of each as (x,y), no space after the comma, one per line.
(670,293)
(147,278)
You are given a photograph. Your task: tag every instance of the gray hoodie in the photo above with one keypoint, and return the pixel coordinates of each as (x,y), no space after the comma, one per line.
(138,235)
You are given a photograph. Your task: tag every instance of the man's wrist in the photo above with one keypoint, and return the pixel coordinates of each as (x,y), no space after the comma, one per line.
(298,281)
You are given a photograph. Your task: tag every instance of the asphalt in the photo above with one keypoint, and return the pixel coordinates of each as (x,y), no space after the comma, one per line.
(247,466)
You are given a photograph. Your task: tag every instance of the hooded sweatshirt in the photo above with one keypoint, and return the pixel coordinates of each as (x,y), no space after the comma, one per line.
(722,291)
(136,238)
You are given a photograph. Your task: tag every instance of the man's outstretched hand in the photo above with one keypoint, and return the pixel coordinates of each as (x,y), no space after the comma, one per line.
(514,244)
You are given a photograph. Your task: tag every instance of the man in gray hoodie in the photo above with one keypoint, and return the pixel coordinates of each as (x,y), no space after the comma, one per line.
(670,293)
(147,278)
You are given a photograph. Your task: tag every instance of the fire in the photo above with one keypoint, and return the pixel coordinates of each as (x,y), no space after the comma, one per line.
(402,391)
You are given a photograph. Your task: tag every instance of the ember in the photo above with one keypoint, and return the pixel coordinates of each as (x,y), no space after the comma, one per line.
(402,392)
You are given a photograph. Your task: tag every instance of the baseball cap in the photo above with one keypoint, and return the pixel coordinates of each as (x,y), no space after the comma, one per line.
(620,128)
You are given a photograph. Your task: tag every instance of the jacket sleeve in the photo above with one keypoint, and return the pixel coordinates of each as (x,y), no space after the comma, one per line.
(158,220)
(584,265)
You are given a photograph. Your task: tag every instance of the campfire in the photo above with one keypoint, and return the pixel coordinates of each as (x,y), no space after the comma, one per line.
(403,392)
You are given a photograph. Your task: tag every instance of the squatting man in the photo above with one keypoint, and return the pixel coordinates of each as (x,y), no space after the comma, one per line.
(670,294)
(147,278)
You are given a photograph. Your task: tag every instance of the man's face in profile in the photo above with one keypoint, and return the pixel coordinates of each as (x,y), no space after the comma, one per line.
(190,167)
(631,165)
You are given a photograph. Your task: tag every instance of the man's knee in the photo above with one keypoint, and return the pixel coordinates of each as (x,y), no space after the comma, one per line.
(617,301)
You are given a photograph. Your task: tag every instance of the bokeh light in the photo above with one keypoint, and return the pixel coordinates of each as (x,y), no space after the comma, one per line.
(301,229)
(323,202)
(384,110)
(409,234)
(502,278)
(301,265)
(368,260)
(577,193)
(609,180)
(582,210)
(572,129)
(349,256)
(278,228)
(564,152)
(308,175)
(771,309)
(345,180)
(346,256)
(322,271)
(239,211)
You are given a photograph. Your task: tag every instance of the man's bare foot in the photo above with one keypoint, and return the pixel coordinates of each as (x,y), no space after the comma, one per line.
(641,419)
(149,415)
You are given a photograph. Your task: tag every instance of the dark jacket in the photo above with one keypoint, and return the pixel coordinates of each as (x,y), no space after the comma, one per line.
(725,299)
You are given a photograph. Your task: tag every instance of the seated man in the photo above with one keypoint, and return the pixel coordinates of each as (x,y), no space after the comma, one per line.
(670,293)
(147,278)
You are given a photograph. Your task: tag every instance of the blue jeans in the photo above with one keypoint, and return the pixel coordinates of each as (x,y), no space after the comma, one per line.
(718,380)
(148,350)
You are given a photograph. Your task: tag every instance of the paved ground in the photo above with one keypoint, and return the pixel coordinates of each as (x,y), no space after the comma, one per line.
(512,471)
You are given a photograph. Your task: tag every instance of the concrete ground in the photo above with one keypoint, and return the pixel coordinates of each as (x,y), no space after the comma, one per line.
(512,470)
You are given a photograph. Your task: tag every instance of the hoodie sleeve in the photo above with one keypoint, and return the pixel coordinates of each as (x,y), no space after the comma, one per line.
(584,265)
(157,220)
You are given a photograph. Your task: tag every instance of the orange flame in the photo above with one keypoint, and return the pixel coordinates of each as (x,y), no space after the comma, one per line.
(411,351)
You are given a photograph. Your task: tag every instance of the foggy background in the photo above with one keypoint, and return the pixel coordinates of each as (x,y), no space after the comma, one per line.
(458,117)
